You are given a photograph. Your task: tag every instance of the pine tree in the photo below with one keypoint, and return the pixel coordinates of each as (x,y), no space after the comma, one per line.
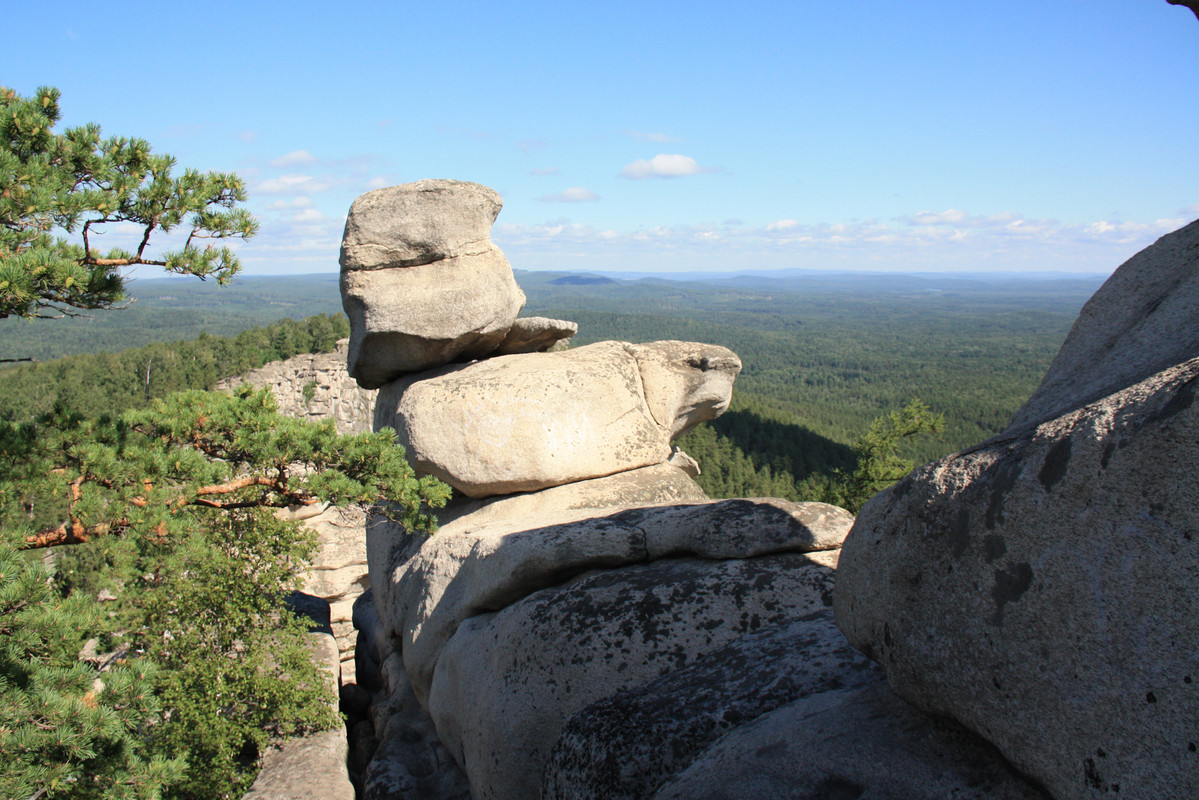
(175,504)
(77,183)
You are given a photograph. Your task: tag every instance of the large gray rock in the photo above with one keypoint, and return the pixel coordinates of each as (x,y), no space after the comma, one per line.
(421,281)
(788,711)
(506,682)
(389,544)
(1043,590)
(525,422)
(857,743)
(469,569)
(627,745)
(1141,321)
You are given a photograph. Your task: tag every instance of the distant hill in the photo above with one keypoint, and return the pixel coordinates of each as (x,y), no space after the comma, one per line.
(581,280)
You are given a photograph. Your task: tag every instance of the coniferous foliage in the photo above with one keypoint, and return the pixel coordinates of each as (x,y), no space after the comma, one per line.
(77,183)
(159,658)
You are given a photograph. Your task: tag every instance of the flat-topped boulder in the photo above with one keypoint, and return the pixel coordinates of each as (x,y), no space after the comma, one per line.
(421,281)
(525,422)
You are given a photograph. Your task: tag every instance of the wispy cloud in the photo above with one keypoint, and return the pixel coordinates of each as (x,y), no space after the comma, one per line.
(248,136)
(292,183)
(530,146)
(296,158)
(575,194)
(642,136)
(545,171)
(920,241)
(663,166)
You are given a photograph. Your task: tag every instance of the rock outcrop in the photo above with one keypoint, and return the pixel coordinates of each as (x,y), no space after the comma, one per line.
(586,623)
(526,422)
(1041,588)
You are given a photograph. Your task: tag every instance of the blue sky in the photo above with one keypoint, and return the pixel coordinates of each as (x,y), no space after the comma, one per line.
(918,136)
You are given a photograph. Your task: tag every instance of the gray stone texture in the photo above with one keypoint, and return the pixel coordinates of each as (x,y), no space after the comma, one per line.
(507,682)
(466,570)
(1043,590)
(1141,321)
(421,281)
(625,746)
(857,743)
(535,334)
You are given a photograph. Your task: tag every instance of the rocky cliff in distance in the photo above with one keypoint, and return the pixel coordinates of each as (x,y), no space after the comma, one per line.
(316,387)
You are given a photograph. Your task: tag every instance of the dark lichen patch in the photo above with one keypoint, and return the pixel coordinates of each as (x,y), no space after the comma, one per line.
(1002,482)
(837,788)
(1184,398)
(1010,586)
(959,532)
(994,547)
(1057,460)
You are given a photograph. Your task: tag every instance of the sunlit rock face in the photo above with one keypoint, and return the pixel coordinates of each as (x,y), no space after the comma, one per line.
(421,281)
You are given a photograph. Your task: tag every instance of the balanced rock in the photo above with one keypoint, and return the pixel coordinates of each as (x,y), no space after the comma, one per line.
(421,281)
(525,422)
(1043,590)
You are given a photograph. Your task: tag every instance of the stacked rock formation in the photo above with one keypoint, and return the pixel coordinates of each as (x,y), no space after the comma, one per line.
(587,623)
(1042,588)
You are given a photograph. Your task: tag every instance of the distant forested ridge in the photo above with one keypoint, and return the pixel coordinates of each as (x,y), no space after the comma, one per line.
(108,383)
(823,354)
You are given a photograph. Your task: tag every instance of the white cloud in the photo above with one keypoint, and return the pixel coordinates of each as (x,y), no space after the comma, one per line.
(782,225)
(378,182)
(663,166)
(642,136)
(296,158)
(545,171)
(293,183)
(575,194)
(248,136)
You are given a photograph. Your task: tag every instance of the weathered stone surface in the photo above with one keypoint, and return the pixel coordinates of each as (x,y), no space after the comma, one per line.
(469,569)
(626,746)
(525,422)
(506,682)
(419,223)
(845,744)
(686,383)
(314,386)
(658,484)
(1043,589)
(1141,321)
(535,334)
(411,763)
(421,281)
